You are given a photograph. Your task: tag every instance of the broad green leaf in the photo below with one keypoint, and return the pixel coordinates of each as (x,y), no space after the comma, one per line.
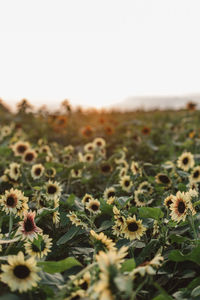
(176,255)
(59,266)
(151,212)
(69,235)
(196,292)
(128,265)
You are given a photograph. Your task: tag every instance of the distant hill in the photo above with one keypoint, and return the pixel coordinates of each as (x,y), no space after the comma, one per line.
(160,102)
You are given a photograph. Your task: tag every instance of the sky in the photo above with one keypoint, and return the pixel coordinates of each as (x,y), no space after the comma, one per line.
(98,52)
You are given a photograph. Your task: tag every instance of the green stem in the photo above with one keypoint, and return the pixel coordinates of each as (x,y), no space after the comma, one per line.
(191,221)
(10,224)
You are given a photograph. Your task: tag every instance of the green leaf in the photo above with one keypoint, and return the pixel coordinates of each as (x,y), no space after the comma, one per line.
(151,212)
(9,297)
(59,266)
(177,256)
(196,292)
(69,235)
(178,238)
(128,265)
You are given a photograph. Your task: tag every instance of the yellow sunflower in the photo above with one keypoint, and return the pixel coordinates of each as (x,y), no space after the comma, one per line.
(109,195)
(89,147)
(13,171)
(86,198)
(180,206)
(105,242)
(39,247)
(28,228)
(126,183)
(93,206)
(37,171)
(195,175)
(133,228)
(53,189)
(99,143)
(162,178)
(185,161)
(29,156)
(14,201)
(135,168)
(20,148)
(20,274)
(76,173)
(148,267)
(168,201)
(146,186)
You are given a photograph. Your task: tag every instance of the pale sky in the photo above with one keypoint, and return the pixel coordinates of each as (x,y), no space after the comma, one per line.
(98,52)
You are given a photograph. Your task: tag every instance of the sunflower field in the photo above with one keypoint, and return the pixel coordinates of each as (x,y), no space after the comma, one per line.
(99,204)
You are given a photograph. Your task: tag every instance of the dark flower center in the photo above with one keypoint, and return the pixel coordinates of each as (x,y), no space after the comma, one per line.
(196,174)
(29,157)
(52,189)
(77,297)
(99,143)
(21,148)
(87,199)
(94,207)
(164,178)
(11,201)
(169,202)
(132,227)
(185,160)
(126,183)
(21,271)
(29,225)
(105,168)
(181,207)
(111,194)
(38,171)
(16,170)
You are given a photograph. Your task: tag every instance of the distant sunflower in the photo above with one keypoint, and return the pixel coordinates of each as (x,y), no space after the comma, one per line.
(53,189)
(39,248)
(99,143)
(88,157)
(50,173)
(162,178)
(93,206)
(29,156)
(179,207)
(28,228)
(148,267)
(135,168)
(185,161)
(146,130)
(89,147)
(122,172)
(20,274)
(126,183)
(13,171)
(105,242)
(168,201)
(109,194)
(146,186)
(20,148)
(195,175)
(86,198)
(79,294)
(76,173)
(106,168)
(37,171)
(87,131)
(133,228)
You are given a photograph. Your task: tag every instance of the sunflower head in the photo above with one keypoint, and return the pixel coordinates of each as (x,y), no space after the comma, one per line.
(185,161)
(29,156)
(93,206)
(162,178)
(134,228)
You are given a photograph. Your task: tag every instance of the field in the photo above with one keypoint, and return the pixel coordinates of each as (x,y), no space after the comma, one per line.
(99,205)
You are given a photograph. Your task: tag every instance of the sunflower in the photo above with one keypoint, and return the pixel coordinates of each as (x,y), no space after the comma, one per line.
(20,274)
(83,282)
(135,168)
(14,201)
(20,148)
(122,172)
(105,242)
(37,171)
(191,106)
(139,198)
(88,157)
(185,161)
(76,173)
(148,267)
(146,130)
(28,228)
(99,143)
(87,131)
(53,189)
(29,156)
(50,173)
(109,195)
(126,183)
(133,228)
(162,178)
(79,294)
(93,206)
(45,149)
(56,214)
(69,149)
(87,198)
(180,206)
(168,201)
(146,186)
(13,171)
(39,247)
(106,168)
(117,230)
(75,220)
(109,130)
(195,175)
(89,147)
